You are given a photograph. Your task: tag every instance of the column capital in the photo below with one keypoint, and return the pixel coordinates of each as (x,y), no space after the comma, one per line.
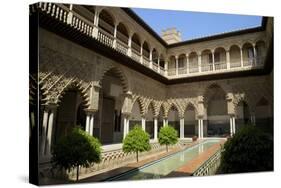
(200,99)
(91,111)
(51,106)
(126,114)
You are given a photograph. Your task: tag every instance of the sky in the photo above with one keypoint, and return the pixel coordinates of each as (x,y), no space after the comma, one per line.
(195,24)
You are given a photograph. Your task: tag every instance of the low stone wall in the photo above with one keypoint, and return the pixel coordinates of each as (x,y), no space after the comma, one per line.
(110,160)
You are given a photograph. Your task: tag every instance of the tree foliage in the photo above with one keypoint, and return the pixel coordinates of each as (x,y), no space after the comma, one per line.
(137,140)
(168,136)
(76,149)
(250,150)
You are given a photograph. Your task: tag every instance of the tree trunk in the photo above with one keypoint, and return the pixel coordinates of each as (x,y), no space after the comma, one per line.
(77,172)
(137,156)
(167,148)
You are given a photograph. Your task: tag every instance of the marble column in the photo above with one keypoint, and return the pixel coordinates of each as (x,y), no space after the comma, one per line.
(87,128)
(241,56)
(125,127)
(129,52)
(50,130)
(91,126)
(227,60)
(143,123)
(199,129)
(155,128)
(231,126)
(182,128)
(44,132)
(115,36)
(177,65)
(213,59)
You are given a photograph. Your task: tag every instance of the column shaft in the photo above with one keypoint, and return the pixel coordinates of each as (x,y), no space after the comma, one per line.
(155,128)
(91,127)
(241,56)
(202,129)
(177,65)
(227,60)
(44,132)
(199,129)
(143,123)
(231,126)
(199,63)
(182,128)
(87,123)
(49,132)
(125,128)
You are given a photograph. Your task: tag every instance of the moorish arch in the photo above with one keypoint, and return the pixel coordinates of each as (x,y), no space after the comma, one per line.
(71,110)
(264,115)
(242,113)
(190,120)
(114,87)
(217,123)
(174,117)
(160,118)
(137,113)
(120,73)
(149,120)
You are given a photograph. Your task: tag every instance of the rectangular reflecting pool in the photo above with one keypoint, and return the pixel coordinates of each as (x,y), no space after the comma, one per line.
(162,167)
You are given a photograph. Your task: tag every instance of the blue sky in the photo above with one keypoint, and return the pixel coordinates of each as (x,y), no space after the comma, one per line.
(196,24)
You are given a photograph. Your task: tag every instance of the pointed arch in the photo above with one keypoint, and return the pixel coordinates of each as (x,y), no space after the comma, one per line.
(140,102)
(75,85)
(118,73)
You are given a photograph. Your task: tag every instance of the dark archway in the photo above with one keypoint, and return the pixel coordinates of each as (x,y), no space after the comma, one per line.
(217,117)
(190,123)
(242,115)
(70,113)
(173,118)
(111,99)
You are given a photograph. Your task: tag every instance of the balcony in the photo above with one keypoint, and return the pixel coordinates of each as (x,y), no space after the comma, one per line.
(236,58)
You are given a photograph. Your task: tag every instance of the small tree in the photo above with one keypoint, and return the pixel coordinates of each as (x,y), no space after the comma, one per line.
(137,140)
(168,136)
(76,149)
(249,150)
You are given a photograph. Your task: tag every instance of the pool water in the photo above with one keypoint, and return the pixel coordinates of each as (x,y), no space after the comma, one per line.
(162,167)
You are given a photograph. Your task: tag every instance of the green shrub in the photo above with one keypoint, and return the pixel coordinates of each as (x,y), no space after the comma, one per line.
(250,150)
(168,136)
(137,140)
(76,149)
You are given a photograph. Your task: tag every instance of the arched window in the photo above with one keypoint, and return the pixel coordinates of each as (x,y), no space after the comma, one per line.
(206,61)
(248,54)
(235,56)
(122,33)
(155,57)
(193,62)
(106,22)
(182,64)
(136,47)
(190,128)
(122,38)
(145,53)
(220,59)
(173,119)
(172,66)
(260,50)
(162,64)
